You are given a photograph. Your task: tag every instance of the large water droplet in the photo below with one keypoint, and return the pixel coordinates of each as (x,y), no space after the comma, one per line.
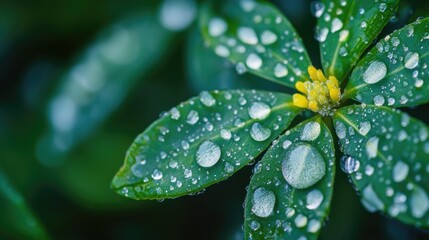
(259,133)
(303,166)
(156,174)
(259,110)
(208,154)
(300,220)
(337,24)
(411,60)
(311,131)
(375,72)
(314,199)
(280,70)
(225,134)
(419,202)
(364,128)
(313,226)
(400,171)
(263,202)
(247,35)
(217,27)
(253,61)
(268,37)
(372,147)
(370,200)
(207,99)
(349,164)
(192,117)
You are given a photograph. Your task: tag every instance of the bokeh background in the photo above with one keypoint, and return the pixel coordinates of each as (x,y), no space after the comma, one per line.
(80,79)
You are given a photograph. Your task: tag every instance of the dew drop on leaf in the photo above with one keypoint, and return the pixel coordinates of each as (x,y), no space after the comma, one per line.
(207,99)
(247,35)
(156,174)
(263,202)
(372,147)
(208,154)
(349,164)
(411,60)
(268,37)
(280,70)
(192,117)
(253,61)
(303,166)
(225,134)
(259,133)
(217,27)
(400,171)
(375,72)
(370,199)
(301,221)
(313,226)
(419,202)
(314,199)
(311,131)
(337,24)
(259,110)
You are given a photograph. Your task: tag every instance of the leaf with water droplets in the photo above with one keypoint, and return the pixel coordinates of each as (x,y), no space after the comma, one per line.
(258,38)
(395,72)
(290,192)
(201,142)
(345,28)
(389,164)
(16,217)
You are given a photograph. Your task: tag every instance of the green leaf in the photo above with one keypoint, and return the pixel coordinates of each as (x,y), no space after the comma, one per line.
(258,38)
(201,142)
(346,28)
(395,72)
(16,218)
(386,158)
(290,193)
(99,81)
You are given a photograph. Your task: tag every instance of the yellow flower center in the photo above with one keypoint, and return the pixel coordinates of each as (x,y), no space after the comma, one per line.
(320,95)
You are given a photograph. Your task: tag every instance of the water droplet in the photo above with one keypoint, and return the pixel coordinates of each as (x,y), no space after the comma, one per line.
(370,200)
(364,128)
(411,60)
(259,110)
(400,171)
(317,9)
(290,212)
(286,144)
(263,202)
(222,51)
(156,174)
(187,173)
(382,7)
(268,37)
(340,129)
(375,72)
(247,35)
(336,25)
(225,134)
(419,202)
(253,61)
(175,113)
(192,117)
(314,199)
(379,100)
(259,133)
(311,131)
(344,34)
(280,70)
(372,147)
(321,34)
(207,99)
(208,154)
(254,225)
(300,220)
(313,226)
(138,168)
(349,164)
(217,27)
(303,166)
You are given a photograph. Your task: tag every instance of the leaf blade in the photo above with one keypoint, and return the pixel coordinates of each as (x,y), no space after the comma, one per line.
(207,139)
(296,212)
(403,82)
(355,25)
(385,147)
(270,49)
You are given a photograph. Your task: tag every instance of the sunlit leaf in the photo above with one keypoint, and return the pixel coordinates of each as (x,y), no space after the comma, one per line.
(386,157)
(16,218)
(290,193)
(258,38)
(201,142)
(99,81)
(395,72)
(345,28)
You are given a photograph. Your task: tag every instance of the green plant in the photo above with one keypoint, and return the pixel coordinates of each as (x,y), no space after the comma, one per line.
(384,151)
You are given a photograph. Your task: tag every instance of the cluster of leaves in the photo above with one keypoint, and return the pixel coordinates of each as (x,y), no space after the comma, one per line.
(208,138)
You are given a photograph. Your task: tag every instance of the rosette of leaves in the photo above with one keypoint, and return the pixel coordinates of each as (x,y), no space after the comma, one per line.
(385,152)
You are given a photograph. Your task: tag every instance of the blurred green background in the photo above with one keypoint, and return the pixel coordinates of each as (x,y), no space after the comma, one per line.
(80,79)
